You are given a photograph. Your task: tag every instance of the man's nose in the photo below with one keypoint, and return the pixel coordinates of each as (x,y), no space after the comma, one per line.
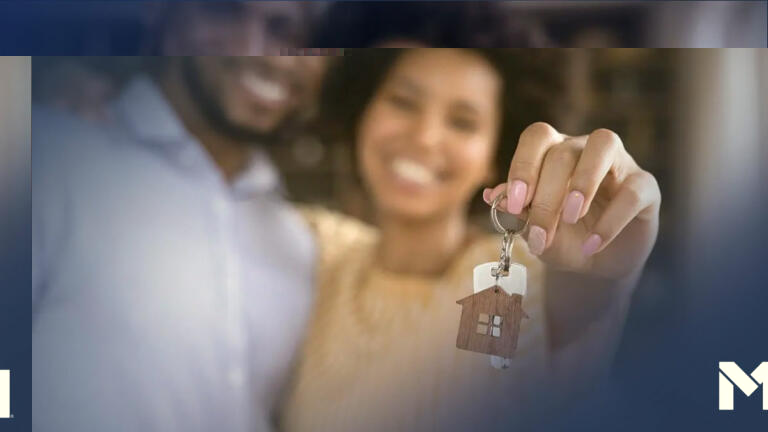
(253,36)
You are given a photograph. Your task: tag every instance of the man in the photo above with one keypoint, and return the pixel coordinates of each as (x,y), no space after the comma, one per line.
(171,283)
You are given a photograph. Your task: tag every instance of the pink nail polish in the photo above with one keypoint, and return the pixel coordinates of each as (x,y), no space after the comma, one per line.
(486,193)
(572,207)
(537,239)
(516,192)
(591,245)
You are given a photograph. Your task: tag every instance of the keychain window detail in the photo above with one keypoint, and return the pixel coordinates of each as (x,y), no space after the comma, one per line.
(495,325)
(482,324)
(489,325)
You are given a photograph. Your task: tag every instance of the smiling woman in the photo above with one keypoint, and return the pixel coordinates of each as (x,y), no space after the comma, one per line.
(527,90)
(380,354)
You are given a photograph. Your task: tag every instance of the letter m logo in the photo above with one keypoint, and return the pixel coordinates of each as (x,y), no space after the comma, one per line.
(731,374)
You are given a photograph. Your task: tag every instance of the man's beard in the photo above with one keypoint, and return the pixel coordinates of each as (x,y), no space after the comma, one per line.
(216,117)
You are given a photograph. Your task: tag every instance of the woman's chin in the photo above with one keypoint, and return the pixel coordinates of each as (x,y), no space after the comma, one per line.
(411,207)
(399,186)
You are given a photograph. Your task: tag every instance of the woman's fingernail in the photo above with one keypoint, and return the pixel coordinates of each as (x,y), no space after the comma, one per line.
(516,192)
(572,208)
(537,239)
(486,194)
(591,245)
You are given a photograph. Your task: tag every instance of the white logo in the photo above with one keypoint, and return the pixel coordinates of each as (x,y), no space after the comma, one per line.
(730,374)
(5,394)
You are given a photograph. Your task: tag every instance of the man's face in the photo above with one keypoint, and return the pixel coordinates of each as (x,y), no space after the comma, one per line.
(251,97)
(244,97)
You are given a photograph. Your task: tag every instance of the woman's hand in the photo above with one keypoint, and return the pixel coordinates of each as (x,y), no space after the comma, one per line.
(593,210)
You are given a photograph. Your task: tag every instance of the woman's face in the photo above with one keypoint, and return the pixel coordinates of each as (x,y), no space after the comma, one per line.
(427,138)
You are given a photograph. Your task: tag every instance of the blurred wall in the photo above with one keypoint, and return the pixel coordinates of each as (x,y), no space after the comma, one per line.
(722,136)
(708,24)
(14,121)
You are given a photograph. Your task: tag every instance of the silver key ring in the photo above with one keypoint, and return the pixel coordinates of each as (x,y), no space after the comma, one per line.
(495,218)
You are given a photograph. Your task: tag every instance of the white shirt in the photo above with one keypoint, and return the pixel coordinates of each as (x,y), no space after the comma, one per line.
(164,298)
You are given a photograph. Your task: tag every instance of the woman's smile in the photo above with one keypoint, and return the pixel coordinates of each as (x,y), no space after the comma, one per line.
(415,173)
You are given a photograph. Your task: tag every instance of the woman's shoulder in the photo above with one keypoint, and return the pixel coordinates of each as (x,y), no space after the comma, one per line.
(326,223)
(336,234)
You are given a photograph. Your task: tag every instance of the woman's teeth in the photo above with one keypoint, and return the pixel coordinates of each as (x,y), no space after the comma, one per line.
(267,90)
(412,171)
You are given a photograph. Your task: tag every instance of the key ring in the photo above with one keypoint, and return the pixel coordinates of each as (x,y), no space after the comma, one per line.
(507,242)
(495,218)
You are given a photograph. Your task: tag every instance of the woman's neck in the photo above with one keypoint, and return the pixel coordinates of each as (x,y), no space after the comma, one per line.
(420,247)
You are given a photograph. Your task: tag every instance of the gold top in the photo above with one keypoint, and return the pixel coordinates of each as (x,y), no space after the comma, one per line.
(381,348)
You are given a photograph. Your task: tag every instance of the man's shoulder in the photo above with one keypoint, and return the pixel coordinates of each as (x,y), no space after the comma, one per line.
(66,146)
(52,128)
(80,166)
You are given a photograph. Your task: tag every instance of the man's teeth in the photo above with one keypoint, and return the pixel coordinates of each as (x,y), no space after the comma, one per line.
(268,90)
(412,171)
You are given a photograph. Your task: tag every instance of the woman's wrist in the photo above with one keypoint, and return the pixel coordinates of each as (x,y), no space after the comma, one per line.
(575,301)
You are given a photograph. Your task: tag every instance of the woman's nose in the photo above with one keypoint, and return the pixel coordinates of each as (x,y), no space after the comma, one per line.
(428,130)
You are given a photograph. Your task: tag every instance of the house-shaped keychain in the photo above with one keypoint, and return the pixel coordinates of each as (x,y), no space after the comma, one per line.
(490,318)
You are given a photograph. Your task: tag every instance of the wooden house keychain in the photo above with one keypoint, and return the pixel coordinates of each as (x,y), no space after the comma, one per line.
(491,317)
